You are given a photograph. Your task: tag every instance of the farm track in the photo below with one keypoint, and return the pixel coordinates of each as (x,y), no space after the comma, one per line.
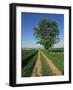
(53,68)
(37,68)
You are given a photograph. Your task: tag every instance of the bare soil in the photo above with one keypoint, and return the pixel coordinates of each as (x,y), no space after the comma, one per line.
(37,67)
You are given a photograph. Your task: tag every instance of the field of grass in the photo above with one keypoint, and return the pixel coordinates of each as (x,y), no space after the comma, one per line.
(57,58)
(26,55)
(56,50)
(29,57)
(45,69)
(28,62)
(27,70)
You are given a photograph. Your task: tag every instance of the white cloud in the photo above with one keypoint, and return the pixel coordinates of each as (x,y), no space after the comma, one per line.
(58,45)
(32,46)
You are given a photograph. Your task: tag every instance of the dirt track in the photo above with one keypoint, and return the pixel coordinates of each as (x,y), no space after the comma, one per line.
(54,69)
(37,67)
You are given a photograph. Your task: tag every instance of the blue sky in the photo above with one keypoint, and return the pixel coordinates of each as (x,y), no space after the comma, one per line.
(30,20)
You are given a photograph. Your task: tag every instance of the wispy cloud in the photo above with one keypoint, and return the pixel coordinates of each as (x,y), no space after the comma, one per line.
(58,45)
(32,46)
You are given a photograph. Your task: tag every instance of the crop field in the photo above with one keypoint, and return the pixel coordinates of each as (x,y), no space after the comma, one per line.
(28,62)
(41,62)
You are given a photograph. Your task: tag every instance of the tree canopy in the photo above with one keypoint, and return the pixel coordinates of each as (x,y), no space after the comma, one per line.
(47,32)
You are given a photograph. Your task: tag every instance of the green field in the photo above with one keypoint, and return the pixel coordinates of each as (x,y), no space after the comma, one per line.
(28,61)
(57,58)
(29,57)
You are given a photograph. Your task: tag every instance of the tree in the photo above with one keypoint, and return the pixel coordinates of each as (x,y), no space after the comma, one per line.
(47,33)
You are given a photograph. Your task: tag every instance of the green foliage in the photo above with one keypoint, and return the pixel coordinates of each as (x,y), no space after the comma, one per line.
(46,32)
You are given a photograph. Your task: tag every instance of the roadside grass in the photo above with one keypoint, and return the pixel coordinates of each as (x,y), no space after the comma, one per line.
(45,69)
(27,70)
(57,59)
(27,56)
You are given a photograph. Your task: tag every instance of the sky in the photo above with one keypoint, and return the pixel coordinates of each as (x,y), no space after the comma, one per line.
(30,20)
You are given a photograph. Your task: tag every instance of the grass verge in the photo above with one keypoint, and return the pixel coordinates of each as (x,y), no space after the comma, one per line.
(45,69)
(27,70)
(57,59)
